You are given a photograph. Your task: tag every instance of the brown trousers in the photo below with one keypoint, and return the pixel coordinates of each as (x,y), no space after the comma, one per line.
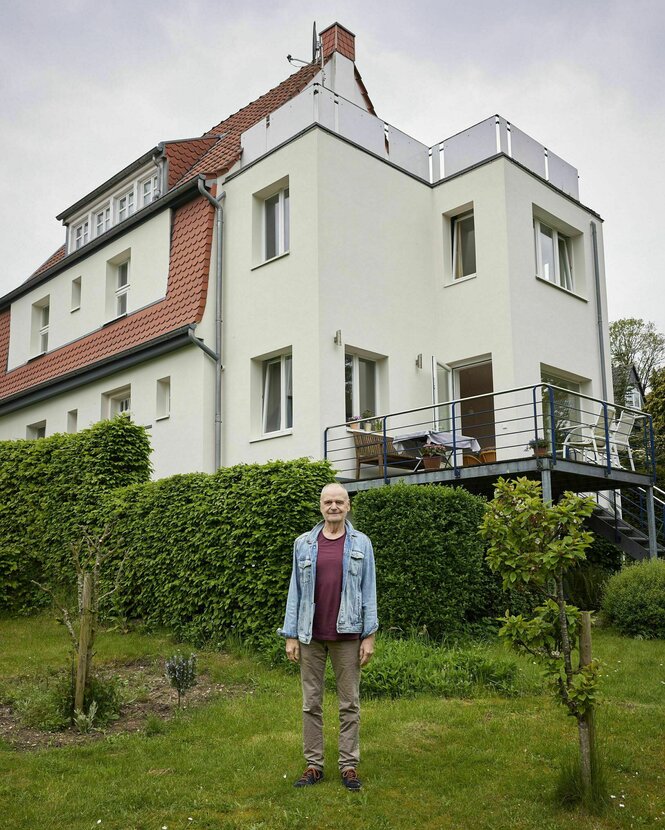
(345,659)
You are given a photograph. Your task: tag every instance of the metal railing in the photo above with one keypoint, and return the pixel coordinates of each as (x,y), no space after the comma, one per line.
(516,424)
(630,506)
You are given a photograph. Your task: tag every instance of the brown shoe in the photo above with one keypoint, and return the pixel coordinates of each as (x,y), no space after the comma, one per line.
(350,779)
(310,776)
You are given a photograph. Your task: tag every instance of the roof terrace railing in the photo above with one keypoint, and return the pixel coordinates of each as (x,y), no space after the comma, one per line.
(512,425)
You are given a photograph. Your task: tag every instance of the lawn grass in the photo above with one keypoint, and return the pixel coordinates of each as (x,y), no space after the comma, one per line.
(488,763)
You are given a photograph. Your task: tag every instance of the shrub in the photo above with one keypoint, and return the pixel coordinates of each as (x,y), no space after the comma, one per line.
(430,559)
(50,488)
(181,672)
(406,667)
(634,599)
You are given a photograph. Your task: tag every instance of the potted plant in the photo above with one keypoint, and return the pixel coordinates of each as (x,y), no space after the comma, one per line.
(539,446)
(432,455)
(354,422)
(365,417)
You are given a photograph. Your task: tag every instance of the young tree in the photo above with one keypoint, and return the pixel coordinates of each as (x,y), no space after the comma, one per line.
(532,543)
(634,341)
(655,406)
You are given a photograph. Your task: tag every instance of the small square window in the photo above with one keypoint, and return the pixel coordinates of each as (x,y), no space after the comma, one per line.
(102,220)
(149,190)
(37,430)
(81,234)
(117,402)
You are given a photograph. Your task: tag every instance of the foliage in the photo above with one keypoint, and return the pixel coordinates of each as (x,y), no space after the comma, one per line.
(404,668)
(634,599)
(210,555)
(430,567)
(45,700)
(181,672)
(655,406)
(534,543)
(634,341)
(50,489)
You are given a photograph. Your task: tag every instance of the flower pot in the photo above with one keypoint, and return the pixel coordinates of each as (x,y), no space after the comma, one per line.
(540,452)
(353,425)
(431,462)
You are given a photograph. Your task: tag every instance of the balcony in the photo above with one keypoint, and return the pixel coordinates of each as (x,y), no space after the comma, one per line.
(494,135)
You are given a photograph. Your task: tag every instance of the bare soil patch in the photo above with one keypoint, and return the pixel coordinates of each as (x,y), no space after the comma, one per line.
(146,691)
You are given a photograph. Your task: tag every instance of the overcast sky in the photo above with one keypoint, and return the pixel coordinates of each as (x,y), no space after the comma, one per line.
(86,88)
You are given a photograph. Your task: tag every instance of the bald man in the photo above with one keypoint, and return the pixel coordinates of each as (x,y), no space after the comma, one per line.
(331,611)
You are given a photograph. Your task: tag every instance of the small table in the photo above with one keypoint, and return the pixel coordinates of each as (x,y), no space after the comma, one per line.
(413,442)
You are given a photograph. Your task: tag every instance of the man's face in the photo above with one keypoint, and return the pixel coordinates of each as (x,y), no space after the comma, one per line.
(334,504)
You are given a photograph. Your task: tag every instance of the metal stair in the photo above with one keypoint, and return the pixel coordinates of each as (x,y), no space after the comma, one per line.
(624,522)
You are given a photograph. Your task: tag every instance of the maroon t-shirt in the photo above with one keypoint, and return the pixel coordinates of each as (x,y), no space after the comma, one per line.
(328,589)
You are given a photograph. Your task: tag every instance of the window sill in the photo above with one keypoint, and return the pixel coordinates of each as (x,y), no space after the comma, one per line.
(561,288)
(279,434)
(163,417)
(268,261)
(76,308)
(114,320)
(459,280)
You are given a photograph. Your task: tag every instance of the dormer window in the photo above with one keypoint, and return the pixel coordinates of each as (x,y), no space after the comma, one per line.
(41,313)
(125,205)
(102,220)
(81,234)
(149,190)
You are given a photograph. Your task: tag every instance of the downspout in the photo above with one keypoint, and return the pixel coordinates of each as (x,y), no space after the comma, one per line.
(217,354)
(599,310)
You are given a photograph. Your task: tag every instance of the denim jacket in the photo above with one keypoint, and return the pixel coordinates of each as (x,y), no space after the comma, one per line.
(357,608)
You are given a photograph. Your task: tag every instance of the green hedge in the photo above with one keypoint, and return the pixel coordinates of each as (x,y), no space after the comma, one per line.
(49,489)
(430,560)
(210,555)
(634,599)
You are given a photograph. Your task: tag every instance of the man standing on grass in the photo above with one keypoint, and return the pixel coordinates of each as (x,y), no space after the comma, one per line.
(331,610)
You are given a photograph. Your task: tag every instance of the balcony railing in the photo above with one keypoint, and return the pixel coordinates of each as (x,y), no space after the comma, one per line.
(512,425)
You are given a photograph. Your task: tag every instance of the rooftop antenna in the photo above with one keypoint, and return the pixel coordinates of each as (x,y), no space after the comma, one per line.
(317,51)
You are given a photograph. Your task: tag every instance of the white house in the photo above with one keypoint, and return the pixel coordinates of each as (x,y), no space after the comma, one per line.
(300,263)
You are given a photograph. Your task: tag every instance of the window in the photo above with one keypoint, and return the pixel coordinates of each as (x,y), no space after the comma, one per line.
(37,430)
(360,383)
(41,313)
(554,255)
(125,205)
(464,245)
(81,234)
(163,408)
(117,402)
(277,408)
(276,224)
(102,220)
(76,294)
(149,190)
(121,288)
(72,420)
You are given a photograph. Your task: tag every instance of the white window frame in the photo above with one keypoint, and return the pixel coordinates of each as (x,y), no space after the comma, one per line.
(153,189)
(121,290)
(353,359)
(103,211)
(458,264)
(76,294)
(285,391)
(125,204)
(81,233)
(117,402)
(283,229)
(565,280)
(163,399)
(72,421)
(41,320)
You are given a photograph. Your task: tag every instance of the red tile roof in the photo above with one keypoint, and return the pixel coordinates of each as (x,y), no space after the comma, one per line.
(191,241)
(215,152)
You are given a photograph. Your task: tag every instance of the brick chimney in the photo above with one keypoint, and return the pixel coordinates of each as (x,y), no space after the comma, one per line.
(338,39)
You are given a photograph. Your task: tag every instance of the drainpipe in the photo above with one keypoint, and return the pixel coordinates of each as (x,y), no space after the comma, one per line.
(599,310)
(217,354)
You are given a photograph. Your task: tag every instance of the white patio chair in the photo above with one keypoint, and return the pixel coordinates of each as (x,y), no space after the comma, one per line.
(588,439)
(620,438)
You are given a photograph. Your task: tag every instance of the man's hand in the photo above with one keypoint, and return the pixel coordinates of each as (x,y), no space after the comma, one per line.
(366,650)
(292,649)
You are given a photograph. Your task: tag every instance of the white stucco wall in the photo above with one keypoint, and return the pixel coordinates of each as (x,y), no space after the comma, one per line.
(183,442)
(148,248)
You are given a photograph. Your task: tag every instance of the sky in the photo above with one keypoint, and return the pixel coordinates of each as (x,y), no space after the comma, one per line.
(86,88)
